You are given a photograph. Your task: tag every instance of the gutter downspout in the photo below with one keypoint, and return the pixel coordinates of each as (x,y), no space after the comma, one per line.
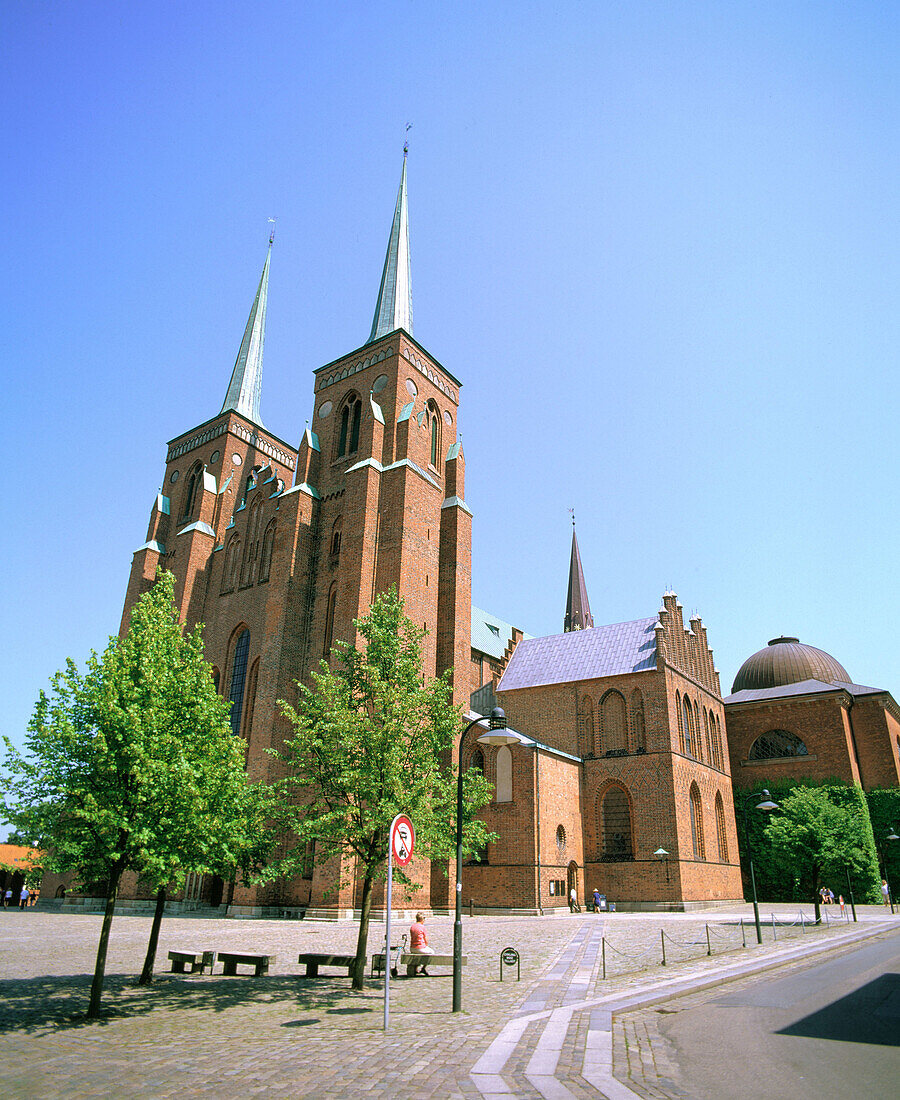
(537,825)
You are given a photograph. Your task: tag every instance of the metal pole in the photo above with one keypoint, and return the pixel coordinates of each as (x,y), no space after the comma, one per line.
(850,894)
(752,872)
(708,944)
(387,933)
(662,940)
(603,954)
(457,923)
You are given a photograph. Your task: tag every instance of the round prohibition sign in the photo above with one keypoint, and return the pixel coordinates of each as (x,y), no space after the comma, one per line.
(403,839)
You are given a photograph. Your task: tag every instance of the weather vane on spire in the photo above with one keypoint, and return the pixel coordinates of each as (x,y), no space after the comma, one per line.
(272,234)
(572,514)
(406,143)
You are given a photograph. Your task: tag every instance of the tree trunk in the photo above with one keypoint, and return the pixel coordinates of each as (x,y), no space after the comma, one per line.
(359,966)
(100,965)
(147,973)
(816,894)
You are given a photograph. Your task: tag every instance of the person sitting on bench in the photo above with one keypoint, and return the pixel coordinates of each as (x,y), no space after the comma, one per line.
(418,943)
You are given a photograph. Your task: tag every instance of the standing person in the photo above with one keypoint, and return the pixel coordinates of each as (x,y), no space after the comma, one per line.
(418,945)
(574,907)
(7,898)
(885,893)
(23,898)
(596,900)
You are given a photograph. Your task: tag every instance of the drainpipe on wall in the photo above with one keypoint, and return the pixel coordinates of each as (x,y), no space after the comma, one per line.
(537,823)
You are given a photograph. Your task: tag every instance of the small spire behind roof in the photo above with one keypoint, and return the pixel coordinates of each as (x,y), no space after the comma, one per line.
(394,307)
(246,378)
(578,608)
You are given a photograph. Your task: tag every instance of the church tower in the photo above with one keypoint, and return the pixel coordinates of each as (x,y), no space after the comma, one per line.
(578,609)
(277,550)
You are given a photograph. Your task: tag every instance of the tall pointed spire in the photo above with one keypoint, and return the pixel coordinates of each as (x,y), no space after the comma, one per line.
(578,609)
(394,306)
(246,378)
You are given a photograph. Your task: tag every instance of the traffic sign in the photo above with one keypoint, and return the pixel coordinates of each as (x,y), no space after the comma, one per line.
(403,840)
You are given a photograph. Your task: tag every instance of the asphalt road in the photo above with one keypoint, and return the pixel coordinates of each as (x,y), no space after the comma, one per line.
(830,1028)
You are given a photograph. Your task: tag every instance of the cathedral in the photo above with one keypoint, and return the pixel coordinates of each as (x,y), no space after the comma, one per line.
(622,781)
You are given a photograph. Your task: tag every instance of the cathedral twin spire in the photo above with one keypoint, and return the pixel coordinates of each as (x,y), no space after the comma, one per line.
(392,311)
(578,609)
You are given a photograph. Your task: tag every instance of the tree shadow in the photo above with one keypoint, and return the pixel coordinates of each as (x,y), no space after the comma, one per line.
(870,1014)
(59,1002)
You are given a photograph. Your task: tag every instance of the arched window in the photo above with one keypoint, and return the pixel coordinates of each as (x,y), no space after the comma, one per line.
(720,829)
(776,744)
(434,419)
(238,679)
(251,699)
(560,839)
(680,716)
(709,731)
(639,733)
(215,676)
(613,724)
(265,557)
(717,742)
(504,775)
(476,761)
(336,536)
(697,823)
(329,621)
(348,440)
(308,860)
(229,573)
(617,845)
(689,739)
(251,549)
(190,491)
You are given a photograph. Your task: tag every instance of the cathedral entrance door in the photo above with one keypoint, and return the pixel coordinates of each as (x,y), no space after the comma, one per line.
(571,880)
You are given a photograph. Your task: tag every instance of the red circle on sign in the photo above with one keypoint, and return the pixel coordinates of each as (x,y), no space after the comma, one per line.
(403,840)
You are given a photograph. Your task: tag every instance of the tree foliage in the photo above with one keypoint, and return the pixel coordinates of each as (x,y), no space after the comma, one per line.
(371,739)
(131,766)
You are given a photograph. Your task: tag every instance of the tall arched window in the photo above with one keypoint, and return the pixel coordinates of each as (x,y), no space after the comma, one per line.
(337,531)
(329,621)
(639,732)
(476,761)
(251,549)
(679,714)
(265,557)
(504,775)
(708,730)
(229,572)
(697,823)
(617,845)
(190,491)
(251,698)
(215,676)
(238,679)
(717,741)
(720,829)
(689,739)
(613,724)
(587,727)
(434,418)
(348,439)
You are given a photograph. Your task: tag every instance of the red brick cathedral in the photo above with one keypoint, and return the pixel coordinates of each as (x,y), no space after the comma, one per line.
(625,783)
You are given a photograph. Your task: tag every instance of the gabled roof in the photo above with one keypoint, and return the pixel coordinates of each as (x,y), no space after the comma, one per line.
(490,635)
(803,687)
(612,650)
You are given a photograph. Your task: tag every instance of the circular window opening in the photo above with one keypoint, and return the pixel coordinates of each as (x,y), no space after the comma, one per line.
(560,838)
(236,459)
(174,476)
(411,388)
(325,409)
(214,457)
(380,382)
(448,419)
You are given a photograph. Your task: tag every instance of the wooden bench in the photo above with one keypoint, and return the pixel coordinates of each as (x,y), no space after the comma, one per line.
(231,959)
(313,961)
(411,960)
(198,961)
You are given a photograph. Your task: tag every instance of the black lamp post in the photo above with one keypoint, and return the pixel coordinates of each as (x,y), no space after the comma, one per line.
(761,801)
(890,835)
(662,854)
(496,734)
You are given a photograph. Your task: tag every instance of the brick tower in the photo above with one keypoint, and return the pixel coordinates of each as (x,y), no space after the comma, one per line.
(277,550)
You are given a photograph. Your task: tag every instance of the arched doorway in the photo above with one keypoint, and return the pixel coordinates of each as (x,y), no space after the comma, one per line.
(572,881)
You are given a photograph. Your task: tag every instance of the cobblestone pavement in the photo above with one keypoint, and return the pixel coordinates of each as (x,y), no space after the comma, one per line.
(284,1035)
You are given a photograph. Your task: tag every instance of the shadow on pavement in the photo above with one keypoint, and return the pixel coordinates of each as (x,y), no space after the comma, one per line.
(58,1003)
(870,1014)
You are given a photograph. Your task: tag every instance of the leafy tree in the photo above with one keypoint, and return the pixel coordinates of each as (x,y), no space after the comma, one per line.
(372,739)
(814,838)
(131,766)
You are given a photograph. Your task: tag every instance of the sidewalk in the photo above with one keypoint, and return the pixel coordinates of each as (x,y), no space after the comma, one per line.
(286,1036)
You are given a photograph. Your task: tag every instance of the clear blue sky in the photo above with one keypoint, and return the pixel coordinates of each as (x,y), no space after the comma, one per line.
(658,243)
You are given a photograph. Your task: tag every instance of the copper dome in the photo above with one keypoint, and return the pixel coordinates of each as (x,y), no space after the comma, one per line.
(788,661)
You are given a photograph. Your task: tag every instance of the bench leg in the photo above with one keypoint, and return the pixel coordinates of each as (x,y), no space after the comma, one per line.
(178,966)
(261,968)
(312,970)
(229,968)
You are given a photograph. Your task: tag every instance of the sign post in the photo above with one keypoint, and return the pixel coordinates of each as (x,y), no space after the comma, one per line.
(402,842)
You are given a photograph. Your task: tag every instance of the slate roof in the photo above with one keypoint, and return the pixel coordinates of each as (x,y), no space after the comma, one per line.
(612,650)
(494,641)
(804,687)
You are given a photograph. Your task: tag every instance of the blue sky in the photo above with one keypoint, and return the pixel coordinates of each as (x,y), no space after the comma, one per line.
(657,242)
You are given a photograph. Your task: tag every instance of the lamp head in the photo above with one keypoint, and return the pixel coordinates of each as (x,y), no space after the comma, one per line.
(766,802)
(661,853)
(892,833)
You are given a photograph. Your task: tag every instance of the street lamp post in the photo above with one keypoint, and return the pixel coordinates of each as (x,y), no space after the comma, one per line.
(762,801)
(497,733)
(891,835)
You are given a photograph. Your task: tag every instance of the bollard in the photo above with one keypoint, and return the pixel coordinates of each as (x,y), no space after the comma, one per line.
(774,933)
(603,955)
(662,940)
(471,910)
(708,945)
(743,934)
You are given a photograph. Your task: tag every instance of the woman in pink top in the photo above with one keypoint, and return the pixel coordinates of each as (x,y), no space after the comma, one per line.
(418,945)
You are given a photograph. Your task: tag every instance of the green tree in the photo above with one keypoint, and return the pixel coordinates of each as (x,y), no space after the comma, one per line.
(814,838)
(131,765)
(371,739)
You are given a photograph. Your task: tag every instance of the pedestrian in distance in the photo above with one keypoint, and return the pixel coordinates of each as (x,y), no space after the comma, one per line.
(885,893)
(596,901)
(574,907)
(23,898)
(7,898)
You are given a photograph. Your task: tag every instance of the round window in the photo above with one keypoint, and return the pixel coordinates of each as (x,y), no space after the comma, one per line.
(214,457)
(411,388)
(325,409)
(174,476)
(560,838)
(380,382)
(236,459)
(448,419)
